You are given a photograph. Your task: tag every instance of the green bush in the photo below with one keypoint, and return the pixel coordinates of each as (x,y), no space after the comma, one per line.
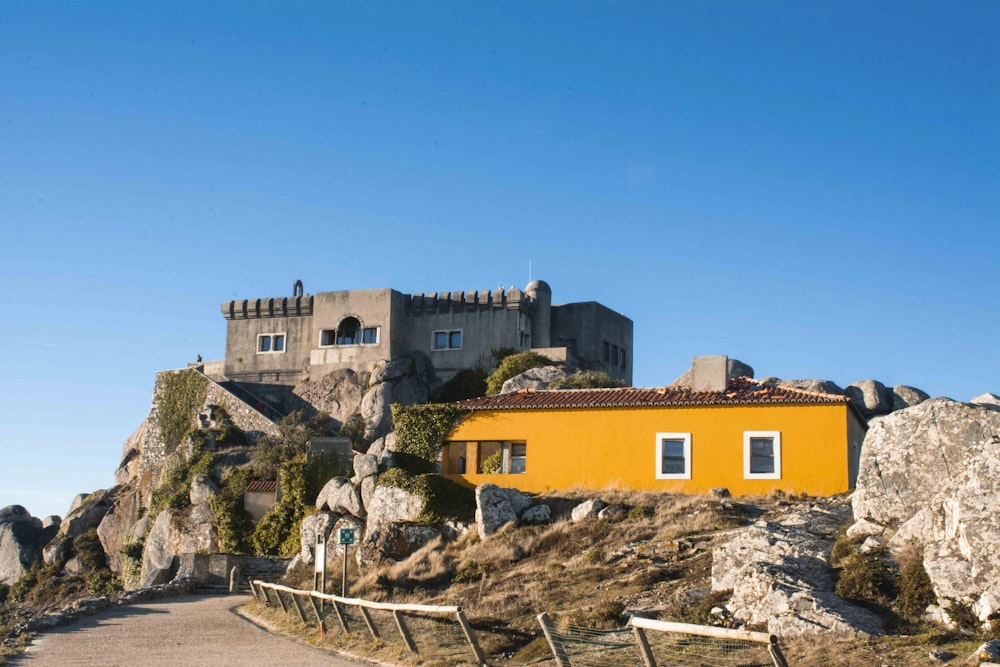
(181,395)
(132,563)
(491,464)
(467,383)
(89,552)
(866,578)
(277,534)
(591,380)
(354,429)
(915,589)
(513,365)
(421,431)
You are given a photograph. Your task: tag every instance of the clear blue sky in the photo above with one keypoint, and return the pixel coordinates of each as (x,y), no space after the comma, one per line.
(812,188)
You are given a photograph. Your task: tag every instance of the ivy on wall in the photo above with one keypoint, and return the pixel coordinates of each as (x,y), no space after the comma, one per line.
(180,396)
(444,500)
(421,431)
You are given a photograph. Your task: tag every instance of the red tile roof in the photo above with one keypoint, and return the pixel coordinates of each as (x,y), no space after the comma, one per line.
(741,391)
(263,486)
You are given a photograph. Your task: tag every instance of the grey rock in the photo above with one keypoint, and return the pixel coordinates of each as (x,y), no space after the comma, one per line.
(56,549)
(496,507)
(612,513)
(931,474)
(904,397)
(346,500)
(780,575)
(89,514)
(367,490)
(319,523)
(391,505)
(387,371)
(20,546)
(734,369)
(176,532)
(202,488)
(987,400)
(365,465)
(338,393)
(988,651)
(818,386)
(534,378)
(538,514)
(76,502)
(587,509)
(394,541)
(51,520)
(720,492)
(871,397)
(329,489)
(115,526)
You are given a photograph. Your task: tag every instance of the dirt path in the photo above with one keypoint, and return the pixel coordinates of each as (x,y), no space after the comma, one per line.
(190,630)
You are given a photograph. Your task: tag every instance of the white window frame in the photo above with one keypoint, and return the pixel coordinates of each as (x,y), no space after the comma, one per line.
(378,335)
(272,335)
(323,331)
(775,437)
(448,333)
(686,438)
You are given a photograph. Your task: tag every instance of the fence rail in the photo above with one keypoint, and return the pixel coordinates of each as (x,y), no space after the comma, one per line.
(438,630)
(651,643)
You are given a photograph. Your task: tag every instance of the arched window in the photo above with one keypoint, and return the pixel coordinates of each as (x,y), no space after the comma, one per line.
(349,331)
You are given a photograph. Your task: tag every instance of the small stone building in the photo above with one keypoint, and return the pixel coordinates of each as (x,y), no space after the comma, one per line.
(260,497)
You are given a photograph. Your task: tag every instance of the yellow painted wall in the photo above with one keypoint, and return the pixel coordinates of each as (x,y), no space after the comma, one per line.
(604,448)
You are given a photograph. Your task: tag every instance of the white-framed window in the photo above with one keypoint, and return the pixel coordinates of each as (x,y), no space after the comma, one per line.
(447,340)
(270,343)
(761,455)
(369,336)
(349,335)
(673,456)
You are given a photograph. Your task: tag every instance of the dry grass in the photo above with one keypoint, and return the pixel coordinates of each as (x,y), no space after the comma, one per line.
(655,558)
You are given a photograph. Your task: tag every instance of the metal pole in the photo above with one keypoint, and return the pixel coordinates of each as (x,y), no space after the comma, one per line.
(343,581)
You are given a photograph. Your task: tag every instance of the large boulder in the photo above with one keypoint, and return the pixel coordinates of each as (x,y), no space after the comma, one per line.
(587,509)
(931,474)
(365,465)
(987,400)
(904,397)
(319,523)
(89,513)
(176,532)
(496,507)
(329,490)
(407,381)
(534,378)
(818,386)
(338,393)
(116,525)
(20,546)
(392,505)
(871,397)
(202,488)
(346,500)
(780,575)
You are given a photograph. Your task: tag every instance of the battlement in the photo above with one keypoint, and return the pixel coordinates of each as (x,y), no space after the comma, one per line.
(442,302)
(249,309)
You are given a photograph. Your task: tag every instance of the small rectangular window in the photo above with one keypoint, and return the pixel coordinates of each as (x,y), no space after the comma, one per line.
(623,357)
(762,455)
(270,343)
(673,456)
(607,351)
(518,458)
(369,336)
(447,340)
(327,337)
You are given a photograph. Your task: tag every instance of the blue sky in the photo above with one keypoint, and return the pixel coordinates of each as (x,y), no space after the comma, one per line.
(812,188)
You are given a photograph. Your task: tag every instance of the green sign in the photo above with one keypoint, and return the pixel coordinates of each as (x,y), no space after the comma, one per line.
(345,536)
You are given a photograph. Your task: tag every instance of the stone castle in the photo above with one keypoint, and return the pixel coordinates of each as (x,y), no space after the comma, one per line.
(273,344)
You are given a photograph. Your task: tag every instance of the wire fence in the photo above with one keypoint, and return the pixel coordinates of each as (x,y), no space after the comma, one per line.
(649,643)
(441,632)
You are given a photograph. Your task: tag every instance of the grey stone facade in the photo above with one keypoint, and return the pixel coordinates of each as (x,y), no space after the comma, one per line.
(284,341)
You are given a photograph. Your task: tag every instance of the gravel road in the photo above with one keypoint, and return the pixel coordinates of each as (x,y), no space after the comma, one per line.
(190,630)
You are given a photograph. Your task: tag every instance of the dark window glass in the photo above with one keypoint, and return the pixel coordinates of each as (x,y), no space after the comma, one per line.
(761,455)
(328,337)
(348,333)
(672,457)
(370,336)
(265,343)
(455,340)
(440,340)
(279,343)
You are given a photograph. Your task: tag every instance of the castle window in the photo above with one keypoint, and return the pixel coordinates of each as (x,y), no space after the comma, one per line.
(369,336)
(349,331)
(614,355)
(327,337)
(622,357)
(270,342)
(673,456)
(447,340)
(607,351)
(761,455)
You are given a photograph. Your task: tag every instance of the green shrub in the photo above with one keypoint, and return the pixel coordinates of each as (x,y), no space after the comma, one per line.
(233,522)
(421,431)
(277,534)
(467,383)
(591,380)
(181,395)
(513,365)
(89,552)
(961,614)
(354,429)
(104,582)
(915,589)
(132,563)
(866,578)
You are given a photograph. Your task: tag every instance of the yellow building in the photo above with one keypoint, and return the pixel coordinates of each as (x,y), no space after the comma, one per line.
(745,435)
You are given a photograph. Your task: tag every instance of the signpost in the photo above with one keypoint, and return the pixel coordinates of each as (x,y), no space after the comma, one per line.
(345,536)
(319,560)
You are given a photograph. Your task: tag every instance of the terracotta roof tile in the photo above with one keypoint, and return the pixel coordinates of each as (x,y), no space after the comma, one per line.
(741,391)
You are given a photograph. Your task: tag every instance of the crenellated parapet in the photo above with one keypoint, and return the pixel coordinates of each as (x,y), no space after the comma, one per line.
(287,306)
(443,302)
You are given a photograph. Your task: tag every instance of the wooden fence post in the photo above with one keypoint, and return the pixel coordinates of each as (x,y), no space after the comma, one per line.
(557,649)
(369,622)
(470,637)
(404,632)
(647,653)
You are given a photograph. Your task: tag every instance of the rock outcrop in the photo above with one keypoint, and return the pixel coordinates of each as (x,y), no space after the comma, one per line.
(534,378)
(780,575)
(931,474)
(904,396)
(496,507)
(175,532)
(819,386)
(871,397)
(20,542)
(406,381)
(338,393)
